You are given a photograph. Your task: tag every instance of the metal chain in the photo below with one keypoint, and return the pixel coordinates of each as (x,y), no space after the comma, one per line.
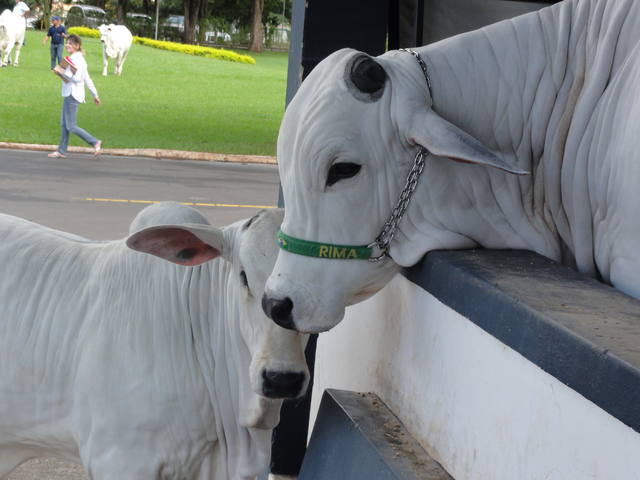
(422,64)
(390,227)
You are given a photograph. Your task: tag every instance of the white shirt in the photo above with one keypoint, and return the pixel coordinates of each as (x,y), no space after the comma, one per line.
(20,9)
(77,81)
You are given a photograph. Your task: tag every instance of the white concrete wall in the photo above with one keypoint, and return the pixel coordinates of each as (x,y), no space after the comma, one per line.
(477,406)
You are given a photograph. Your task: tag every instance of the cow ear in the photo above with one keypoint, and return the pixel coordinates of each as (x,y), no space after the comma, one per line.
(444,139)
(187,244)
(365,78)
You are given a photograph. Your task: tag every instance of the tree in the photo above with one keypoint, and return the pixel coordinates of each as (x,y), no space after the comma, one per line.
(257,31)
(192,10)
(121,11)
(45,8)
(248,15)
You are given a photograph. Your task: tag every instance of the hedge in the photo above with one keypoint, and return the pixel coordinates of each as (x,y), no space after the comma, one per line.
(84,32)
(197,50)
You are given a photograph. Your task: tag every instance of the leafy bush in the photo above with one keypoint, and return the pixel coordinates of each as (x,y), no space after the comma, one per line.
(197,50)
(84,32)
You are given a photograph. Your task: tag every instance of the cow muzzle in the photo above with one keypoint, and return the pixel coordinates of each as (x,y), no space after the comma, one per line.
(279,310)
(281,384)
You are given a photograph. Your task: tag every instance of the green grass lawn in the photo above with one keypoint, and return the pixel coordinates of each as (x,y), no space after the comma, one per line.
(163,100)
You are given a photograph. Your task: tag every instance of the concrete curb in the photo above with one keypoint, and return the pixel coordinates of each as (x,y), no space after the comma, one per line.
(151,152)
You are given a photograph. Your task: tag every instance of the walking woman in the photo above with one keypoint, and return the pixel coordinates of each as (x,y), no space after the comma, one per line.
(75,76)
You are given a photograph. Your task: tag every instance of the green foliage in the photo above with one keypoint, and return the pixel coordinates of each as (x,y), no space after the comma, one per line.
(163,100)
(206,52)
(197,50)
(84,32)
(238,12)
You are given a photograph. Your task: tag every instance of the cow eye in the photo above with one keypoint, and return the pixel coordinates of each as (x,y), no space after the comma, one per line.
(243,278)
(340,171)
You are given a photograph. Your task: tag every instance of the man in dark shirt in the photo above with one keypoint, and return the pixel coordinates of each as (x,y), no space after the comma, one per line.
(58,33)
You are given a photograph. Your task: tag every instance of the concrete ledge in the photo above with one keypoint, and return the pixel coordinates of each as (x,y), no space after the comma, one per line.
(582,332)
(356,437)
(151,152)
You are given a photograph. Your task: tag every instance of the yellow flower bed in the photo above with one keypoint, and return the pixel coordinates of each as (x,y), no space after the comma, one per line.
(84,32)
(197,50)
(207,52)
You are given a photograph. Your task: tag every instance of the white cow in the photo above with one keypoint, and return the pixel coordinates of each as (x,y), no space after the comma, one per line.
(12,31)
(135,366)
(555,93)
(116,42)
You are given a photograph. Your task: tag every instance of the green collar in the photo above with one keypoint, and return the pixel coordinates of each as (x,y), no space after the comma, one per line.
(324,250)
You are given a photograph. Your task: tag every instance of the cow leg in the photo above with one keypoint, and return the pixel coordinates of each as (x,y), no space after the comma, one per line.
(10,459)
(5,57)
(121,63)
(105,63)
(16,55)
(133,459)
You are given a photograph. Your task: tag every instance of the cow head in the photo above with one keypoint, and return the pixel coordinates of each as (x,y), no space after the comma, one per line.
(346,144)
(268,360)
(105,33)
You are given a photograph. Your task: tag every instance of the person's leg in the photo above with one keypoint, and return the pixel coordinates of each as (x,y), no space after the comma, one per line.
(67,107)
(74,128)
(54,54)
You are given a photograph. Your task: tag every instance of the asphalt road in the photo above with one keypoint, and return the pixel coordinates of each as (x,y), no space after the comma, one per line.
(98,198)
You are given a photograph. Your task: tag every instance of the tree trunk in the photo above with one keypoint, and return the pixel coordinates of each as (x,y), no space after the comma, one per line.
(146,7)
(121,11)
(191,16)
(256,26)
(46,14)
(203,13)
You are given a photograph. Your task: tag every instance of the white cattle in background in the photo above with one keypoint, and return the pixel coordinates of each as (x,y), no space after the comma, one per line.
(12,31)
(143,367)
(555,93)
(116,42)
(7,36)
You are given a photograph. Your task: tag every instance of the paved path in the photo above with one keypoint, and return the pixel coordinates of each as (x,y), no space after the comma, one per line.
(97,198)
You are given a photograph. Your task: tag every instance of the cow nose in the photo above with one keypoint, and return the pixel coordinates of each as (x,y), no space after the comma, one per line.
(279,311)
(276,384)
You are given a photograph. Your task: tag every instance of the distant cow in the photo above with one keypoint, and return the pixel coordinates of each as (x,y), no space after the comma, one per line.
(116,42)
(12,30)
(143,367)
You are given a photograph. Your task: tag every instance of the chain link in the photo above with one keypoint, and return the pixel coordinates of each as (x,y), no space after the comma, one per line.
(390,227)
(422,64)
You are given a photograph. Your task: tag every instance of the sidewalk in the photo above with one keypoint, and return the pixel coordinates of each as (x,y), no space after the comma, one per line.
(151,152)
